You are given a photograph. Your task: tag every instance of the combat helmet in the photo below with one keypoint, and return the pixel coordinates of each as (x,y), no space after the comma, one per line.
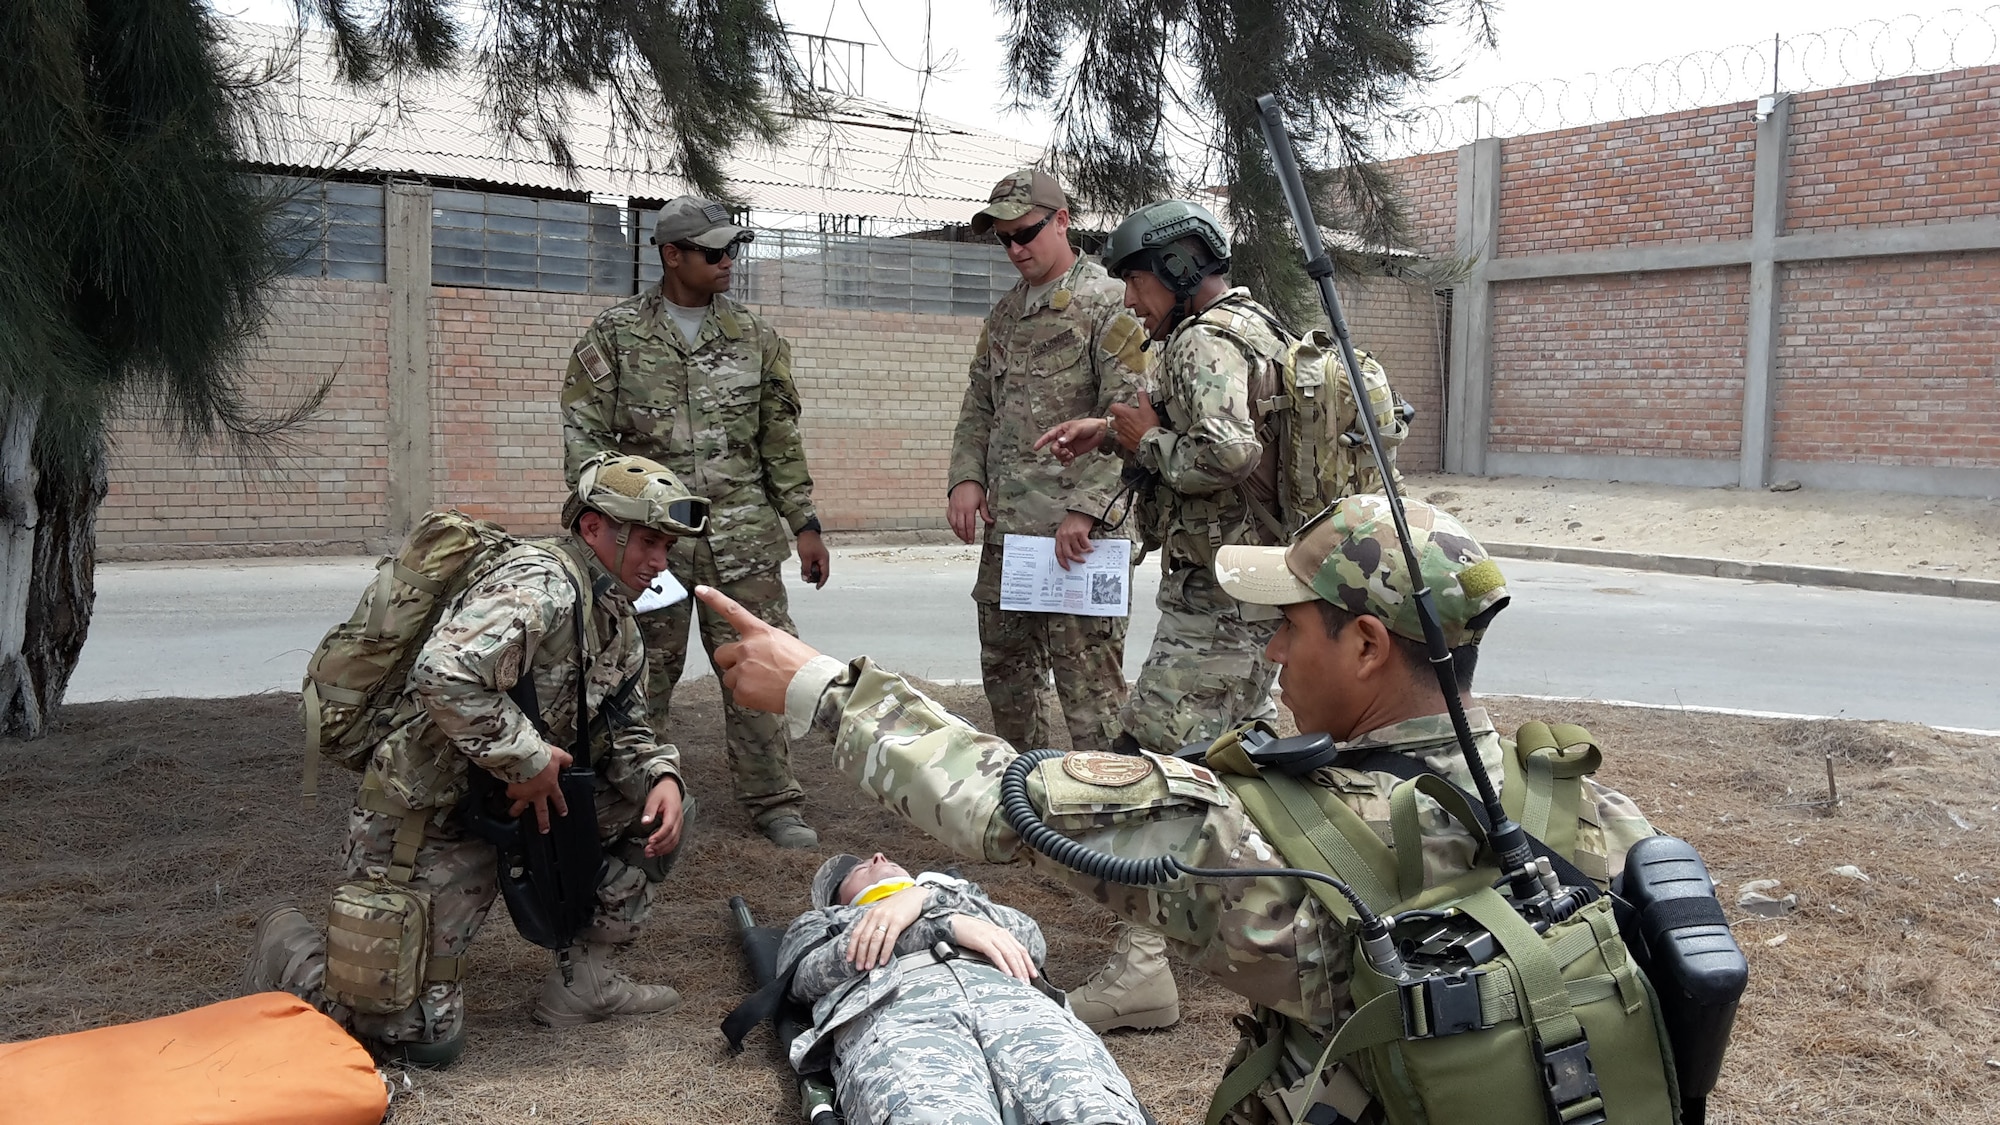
(634,490)
(1158,237)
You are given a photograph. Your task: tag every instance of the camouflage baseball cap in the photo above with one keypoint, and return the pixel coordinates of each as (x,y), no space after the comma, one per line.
(1019,194)
(827,880)
(703,222)
(1348,555)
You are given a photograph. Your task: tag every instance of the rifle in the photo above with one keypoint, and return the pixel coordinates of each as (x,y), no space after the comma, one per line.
(548,879)
(760,952)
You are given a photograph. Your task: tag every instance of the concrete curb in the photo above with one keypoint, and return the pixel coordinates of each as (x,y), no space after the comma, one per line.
(1935,586)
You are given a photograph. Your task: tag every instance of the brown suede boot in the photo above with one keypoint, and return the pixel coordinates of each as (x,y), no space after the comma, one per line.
(596,991)
(1134,989)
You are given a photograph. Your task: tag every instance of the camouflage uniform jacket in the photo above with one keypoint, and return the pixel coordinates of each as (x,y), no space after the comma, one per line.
(1207,445)
(841,994)
(1069,354)
(722,413)
(519,618)
(1265,938)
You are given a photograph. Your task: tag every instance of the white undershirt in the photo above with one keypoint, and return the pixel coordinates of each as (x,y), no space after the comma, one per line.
(686,319)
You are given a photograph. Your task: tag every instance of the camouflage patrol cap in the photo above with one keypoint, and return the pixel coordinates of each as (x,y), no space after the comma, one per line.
(634,490)
(1019,194)
(703,222)
(1348,555)
(827,880)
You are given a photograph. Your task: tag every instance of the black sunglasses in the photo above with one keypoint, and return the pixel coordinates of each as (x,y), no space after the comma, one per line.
(715,255)
(1026,234)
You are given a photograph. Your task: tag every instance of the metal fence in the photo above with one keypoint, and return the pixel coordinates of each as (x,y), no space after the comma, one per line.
(1873,51)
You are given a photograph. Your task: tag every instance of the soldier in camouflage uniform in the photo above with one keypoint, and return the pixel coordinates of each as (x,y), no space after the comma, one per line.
(962,1040)
(1352,665)
(1056,346)
(689,378)
(517,619)
(1206,671)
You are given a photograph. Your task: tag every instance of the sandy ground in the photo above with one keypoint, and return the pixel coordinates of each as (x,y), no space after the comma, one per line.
(1860,530)
(143,839)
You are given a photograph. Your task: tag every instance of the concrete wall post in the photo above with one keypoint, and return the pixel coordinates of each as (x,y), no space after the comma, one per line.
(1760,354)
(1468,409)
(408,235)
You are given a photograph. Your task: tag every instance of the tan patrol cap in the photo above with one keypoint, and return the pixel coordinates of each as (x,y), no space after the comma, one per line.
(1349,556)
(1019,194)
(692,219)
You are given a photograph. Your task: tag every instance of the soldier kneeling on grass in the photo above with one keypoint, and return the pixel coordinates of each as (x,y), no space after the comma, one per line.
(515,622)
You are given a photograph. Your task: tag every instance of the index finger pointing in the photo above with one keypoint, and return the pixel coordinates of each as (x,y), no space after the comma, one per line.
(731,610)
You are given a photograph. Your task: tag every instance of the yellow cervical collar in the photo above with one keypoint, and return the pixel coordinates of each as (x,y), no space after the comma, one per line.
(876,892)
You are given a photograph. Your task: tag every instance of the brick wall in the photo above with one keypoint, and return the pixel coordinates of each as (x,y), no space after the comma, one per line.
(1891,361)
(1428,186)
(1910,151)
(323,491)
(1634,364)
(1403,327)
(1677,177)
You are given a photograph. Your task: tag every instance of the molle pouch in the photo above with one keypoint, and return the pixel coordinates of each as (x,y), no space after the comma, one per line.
(378,940)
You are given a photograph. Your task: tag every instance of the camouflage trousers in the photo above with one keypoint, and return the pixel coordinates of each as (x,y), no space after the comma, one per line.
(1019,651)
(760,756)
(964,1044)
(459,872)
(1206,671)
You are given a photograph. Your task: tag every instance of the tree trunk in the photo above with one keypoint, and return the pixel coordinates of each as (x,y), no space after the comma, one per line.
(47,602)
(20,704)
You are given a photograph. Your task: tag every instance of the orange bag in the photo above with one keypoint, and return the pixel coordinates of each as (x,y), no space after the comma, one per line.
(269,1059)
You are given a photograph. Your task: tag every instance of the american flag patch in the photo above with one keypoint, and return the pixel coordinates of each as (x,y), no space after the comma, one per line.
(594,362)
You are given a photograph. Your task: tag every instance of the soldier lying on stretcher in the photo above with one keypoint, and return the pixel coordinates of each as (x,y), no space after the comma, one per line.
(928,998)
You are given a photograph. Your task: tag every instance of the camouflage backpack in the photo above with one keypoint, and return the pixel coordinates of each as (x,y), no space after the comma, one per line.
(1304,409)
(353,693)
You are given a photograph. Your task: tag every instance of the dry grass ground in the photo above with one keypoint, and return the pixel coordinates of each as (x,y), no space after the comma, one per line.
(141,841)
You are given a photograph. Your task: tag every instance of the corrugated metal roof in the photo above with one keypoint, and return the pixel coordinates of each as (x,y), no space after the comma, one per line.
(866,159)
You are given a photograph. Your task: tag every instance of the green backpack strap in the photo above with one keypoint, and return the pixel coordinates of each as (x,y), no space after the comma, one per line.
(1320,835)
(1547,770)
(1408,833)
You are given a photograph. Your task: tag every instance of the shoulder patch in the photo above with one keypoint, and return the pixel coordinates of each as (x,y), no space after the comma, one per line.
(1113,771)
(594,362)
(1125,339)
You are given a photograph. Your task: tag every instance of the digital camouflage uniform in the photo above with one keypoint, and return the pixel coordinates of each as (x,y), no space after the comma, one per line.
(722,414)
(951,1043)
(520,615)
(1206,671)
(1068,353)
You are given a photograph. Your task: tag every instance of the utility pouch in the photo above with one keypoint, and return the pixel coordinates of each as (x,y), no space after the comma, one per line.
(378,940)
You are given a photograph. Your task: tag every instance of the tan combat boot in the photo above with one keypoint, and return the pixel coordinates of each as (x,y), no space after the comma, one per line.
(596,991)
(1134,989)
(784,827)
(287,954)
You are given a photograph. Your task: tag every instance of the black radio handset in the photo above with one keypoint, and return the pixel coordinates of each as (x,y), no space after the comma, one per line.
(1531,892)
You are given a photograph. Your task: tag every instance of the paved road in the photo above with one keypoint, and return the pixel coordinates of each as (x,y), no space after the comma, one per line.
(230,628)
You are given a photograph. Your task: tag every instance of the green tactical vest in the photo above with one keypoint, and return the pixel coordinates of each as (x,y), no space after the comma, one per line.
(1536,1027)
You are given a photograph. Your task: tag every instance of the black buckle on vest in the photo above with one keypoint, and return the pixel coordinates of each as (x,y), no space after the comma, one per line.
(1570,1081)
(1442,1005)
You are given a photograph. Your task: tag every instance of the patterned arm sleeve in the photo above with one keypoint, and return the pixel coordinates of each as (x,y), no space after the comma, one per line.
(638,760)
(1119,358)
(786,482)
(463,672)
(975,418)
(1220,448)
(822,967)
(589,398)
